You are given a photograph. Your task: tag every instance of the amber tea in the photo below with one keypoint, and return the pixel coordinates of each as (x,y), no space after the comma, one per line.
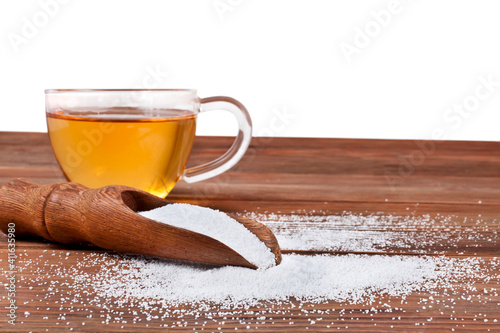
(139,148)
(136,137)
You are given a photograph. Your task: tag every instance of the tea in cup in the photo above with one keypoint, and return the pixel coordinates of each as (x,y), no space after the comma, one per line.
(138,138)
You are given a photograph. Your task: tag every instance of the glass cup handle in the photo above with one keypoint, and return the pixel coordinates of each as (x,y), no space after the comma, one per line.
(238,148)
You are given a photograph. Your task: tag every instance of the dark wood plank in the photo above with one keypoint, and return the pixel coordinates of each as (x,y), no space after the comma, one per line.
(311,169)
(444,203)
(47,302)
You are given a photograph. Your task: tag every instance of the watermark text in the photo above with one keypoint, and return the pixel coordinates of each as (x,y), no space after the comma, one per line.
(11,274)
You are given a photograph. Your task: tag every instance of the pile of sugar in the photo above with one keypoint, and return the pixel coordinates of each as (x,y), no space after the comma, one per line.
(345,279)
(217,225)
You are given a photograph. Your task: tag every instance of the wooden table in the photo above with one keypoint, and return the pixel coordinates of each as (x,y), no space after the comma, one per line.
(457,183)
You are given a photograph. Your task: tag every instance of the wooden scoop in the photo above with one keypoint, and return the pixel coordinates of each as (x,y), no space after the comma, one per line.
(107,217)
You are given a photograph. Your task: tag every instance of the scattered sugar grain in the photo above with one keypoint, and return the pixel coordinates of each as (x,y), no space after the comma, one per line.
(370,233)
(103,280)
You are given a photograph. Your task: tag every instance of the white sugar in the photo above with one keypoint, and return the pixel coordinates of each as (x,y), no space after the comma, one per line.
(172,295)
(348,278)
(217,225)
(370,233)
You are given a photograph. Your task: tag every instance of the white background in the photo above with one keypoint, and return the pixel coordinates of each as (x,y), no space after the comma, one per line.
(276,57)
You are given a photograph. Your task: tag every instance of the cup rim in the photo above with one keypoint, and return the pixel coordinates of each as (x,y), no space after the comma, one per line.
(54,91)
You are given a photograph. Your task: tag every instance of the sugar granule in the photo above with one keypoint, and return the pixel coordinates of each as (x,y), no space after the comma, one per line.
(371,233)
(345,278)
(350,278)
(218,225)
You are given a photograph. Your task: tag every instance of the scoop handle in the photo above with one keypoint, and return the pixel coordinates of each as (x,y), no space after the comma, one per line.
(70,212)
(22,207)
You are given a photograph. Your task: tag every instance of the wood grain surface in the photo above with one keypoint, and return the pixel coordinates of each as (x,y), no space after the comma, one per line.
(443,199)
